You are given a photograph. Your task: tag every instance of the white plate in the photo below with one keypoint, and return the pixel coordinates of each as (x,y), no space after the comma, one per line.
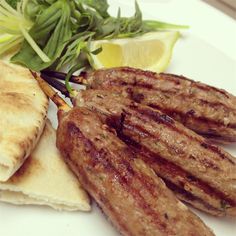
(192,57)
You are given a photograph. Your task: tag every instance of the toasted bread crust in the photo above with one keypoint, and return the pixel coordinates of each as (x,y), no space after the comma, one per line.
(23,110)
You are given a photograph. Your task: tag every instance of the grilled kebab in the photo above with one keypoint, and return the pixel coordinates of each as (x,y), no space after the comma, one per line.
(136,201)
(205,109)
(198,172)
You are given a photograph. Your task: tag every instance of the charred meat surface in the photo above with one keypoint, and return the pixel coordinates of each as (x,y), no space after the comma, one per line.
(198,172)
(136,201)
(207,110)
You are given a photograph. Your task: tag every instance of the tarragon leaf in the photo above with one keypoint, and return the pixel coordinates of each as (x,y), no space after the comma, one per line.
(13,3)
(74,49)
(101,6)
(51,31)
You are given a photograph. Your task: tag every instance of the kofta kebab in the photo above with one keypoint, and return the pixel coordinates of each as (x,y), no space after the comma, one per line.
(128,191)
(207,110)
(113,141)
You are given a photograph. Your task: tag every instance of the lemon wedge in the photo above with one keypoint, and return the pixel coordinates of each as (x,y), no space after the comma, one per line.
(151,51)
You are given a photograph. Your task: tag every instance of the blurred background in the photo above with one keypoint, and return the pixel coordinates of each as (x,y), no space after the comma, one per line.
(227,6)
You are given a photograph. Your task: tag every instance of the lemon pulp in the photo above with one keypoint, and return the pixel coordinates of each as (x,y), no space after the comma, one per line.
(151,51)
(111,55)
(143,54)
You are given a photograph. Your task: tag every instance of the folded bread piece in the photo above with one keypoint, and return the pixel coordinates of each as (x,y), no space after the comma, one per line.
(23,109)
(44,179)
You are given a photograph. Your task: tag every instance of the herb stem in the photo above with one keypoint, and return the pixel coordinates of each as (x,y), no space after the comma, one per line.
(33,44)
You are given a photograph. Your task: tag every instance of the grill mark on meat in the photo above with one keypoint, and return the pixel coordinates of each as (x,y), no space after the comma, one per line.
(75,133)
(208,88)
(129,89)
(217,150)
(144,133)
(82,175)
(98,156)
(184,116)
(154,115)
(94,189)
(189,198)
(148,74)
(118,123)
(139,97)
(183,119)
(213,136)
(223,129)
(137,71)
(170,77)
(171,169)
(127,85)
(216,104)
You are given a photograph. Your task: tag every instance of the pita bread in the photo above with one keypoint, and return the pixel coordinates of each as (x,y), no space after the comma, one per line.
(44,179)
(23,109)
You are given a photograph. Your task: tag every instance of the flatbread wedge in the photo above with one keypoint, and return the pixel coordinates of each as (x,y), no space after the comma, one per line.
(23,109)
(44,179)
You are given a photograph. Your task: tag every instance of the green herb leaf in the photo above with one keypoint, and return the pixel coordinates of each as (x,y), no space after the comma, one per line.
(51,31)
(100,6)
(74,49)
(13,3)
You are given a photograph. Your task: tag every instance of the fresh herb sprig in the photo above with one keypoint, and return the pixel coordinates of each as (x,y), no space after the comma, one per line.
(13,3)
(56,33)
